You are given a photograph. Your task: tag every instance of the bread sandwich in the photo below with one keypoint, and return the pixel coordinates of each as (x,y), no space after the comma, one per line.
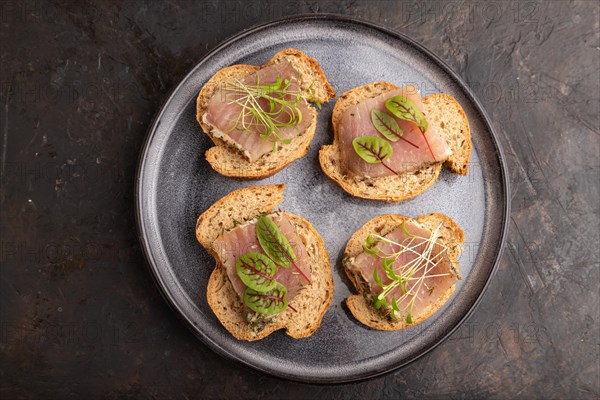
(272,270)
(403,269)
(389,144)
(260,118)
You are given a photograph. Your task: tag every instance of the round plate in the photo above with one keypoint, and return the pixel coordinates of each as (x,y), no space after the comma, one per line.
(175,185)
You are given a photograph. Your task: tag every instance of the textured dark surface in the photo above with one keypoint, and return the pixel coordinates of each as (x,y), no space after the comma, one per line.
(80,315)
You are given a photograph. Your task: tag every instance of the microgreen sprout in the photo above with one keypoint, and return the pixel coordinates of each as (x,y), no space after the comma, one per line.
(410,277)
(266,108)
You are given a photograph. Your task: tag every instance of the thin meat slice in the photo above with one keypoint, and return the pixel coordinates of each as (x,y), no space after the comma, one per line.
(410,153)
(224,115)
(438,271)
(242,239)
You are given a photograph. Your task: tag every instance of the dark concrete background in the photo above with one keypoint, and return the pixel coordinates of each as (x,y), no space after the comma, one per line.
(80,316)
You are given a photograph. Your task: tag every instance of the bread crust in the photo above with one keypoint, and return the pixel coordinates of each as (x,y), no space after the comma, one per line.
(359,305)
(393,189)
(441,107)
(311,302)
(229,163)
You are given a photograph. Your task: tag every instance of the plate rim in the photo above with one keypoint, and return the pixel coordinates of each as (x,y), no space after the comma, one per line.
(151,263)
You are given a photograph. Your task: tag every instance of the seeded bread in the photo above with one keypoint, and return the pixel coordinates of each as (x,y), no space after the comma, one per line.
(360,304)
(226,161)
(441,111)
(450,120)
(311,302)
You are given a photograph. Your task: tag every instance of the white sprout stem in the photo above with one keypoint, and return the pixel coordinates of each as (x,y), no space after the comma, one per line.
(423,260)
(428,276)
(260,118)
(406,248)
(411,303)
(419,284)
(410,269)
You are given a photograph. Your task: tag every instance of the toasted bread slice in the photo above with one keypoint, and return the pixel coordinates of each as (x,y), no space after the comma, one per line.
(314,88)
(451,122)
(311,302)
(360,304)
(441,111)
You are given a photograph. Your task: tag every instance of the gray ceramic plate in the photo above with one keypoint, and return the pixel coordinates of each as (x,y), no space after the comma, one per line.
(175,185)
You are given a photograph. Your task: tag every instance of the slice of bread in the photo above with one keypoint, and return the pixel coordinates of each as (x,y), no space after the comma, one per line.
(360,304)
(311,302)
(441,111)
(450,120)
(314,88)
